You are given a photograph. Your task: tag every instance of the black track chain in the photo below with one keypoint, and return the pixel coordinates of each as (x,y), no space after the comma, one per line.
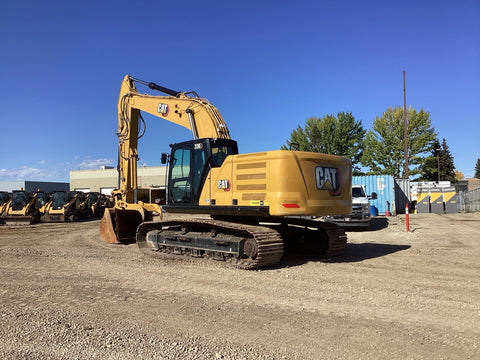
(337,239)
(268,241)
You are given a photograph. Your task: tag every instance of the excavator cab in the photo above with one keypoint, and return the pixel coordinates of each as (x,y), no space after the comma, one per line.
(190,163)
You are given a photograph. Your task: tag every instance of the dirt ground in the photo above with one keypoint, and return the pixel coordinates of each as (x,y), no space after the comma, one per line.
(65,294)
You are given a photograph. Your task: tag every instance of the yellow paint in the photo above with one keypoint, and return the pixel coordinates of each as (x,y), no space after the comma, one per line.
(281,177)
(448,195)
(421,197)
(434,197)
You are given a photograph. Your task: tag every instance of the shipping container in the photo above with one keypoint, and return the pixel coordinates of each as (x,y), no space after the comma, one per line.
(384,186)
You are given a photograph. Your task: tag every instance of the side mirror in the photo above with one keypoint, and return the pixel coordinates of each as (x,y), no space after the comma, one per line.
(373,196)
(164,158)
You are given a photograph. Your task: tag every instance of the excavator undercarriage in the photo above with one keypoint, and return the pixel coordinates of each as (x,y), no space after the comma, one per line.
(241,245)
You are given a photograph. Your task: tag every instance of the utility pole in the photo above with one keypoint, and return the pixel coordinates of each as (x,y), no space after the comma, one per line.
(438,163)
(405,126)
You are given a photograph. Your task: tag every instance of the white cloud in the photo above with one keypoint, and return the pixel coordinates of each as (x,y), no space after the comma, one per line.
(25,173)
(52,172)
(91,164)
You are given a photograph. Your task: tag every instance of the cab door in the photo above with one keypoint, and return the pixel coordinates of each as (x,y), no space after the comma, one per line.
(180,182)
(187,172)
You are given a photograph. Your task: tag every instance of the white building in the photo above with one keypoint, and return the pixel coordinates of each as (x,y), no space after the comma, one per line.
(105,180)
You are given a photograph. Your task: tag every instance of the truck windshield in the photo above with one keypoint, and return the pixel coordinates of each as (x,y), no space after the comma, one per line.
(358,192)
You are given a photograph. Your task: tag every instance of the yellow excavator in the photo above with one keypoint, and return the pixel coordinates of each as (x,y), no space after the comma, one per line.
(257,202)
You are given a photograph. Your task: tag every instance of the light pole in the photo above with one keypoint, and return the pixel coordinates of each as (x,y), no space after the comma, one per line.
(405,134)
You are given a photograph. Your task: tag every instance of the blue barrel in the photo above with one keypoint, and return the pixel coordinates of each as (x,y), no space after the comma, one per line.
(373,210)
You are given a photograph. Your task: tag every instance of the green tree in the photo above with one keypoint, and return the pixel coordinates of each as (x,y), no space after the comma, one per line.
(440,157)
(447,168)
(429,168)
(384,147)
(477,169)
(336,135)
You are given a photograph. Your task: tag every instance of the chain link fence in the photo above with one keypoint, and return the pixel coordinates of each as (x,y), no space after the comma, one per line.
(469,200)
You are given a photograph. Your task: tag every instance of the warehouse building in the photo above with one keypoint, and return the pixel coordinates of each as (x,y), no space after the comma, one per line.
(104,180)
(46,186)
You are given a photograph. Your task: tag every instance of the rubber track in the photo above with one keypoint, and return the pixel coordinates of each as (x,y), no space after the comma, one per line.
(269,242)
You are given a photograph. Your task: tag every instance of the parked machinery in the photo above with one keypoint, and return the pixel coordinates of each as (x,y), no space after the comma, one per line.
(24,208)
(255,200)
(65,206)
(96,204)
(43,198)
(4,200)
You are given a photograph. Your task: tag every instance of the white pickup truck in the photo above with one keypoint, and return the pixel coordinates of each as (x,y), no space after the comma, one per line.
(360,216)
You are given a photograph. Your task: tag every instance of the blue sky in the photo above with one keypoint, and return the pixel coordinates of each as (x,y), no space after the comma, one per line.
(266,65)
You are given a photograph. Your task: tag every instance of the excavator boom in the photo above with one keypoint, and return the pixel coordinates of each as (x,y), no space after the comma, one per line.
(193,113)
(182,108)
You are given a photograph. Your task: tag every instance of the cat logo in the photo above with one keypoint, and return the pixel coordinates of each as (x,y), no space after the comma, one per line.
(163,109)
(223,185)
(328,178)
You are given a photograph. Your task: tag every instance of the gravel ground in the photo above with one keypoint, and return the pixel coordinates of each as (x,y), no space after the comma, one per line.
(65,294)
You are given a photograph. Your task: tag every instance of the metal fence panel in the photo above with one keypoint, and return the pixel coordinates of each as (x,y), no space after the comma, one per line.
(402,194)
(469,200)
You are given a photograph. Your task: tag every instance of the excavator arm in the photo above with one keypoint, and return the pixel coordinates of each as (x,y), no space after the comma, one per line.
(181,108)
(186,109)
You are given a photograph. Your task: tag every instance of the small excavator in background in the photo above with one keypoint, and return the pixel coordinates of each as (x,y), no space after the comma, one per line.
(258,203)
(24,208)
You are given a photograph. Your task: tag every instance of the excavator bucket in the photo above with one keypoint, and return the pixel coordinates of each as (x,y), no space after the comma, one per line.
(119,226)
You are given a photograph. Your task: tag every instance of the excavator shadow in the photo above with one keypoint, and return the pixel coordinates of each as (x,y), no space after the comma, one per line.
(352,253)
(366,251)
